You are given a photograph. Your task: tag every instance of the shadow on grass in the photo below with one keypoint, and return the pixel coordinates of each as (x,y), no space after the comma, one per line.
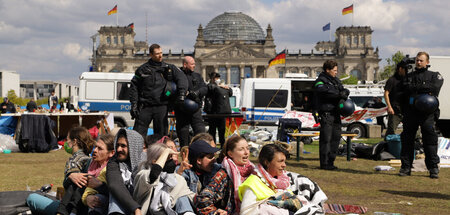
(303,165)
(418,194)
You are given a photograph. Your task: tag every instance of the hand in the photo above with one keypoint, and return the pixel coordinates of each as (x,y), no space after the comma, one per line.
(180,101)
(137,212)
(80,179)
(390,111)
(344,94)
(93,182)
(221,212)
(93,201)
(194,96)
(184,165)
(134,111)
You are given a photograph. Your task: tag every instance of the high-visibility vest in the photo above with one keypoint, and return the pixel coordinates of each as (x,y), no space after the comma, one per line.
(261,190)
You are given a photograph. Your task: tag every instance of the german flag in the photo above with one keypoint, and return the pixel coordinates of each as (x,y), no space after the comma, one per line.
(279,59)
(113,11)
(347,10)
(131,25)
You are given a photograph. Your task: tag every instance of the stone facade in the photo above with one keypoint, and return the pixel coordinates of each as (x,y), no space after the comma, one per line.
(234,45)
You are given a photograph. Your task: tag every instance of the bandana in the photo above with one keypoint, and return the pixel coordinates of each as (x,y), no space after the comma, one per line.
(279,183)
(238,174)
(95,168)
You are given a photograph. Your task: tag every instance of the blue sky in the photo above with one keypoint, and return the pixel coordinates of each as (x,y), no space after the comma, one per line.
(50,40)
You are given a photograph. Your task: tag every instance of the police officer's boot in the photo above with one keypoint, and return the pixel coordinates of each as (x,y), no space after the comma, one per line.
(434,173)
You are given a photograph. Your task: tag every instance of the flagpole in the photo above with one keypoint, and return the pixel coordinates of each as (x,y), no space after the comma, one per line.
(285,59)
(117,16)
(330,31)
(353,12)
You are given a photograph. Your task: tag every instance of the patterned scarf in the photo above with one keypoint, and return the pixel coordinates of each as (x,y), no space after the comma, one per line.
(95,168)
(238,174)
(281,182)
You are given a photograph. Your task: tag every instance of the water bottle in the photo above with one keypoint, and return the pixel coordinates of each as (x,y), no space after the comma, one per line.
(46,188)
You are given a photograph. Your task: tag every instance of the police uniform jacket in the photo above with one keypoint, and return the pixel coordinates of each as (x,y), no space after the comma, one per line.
(327,90)
(422,81)
(149,84)
(196,84)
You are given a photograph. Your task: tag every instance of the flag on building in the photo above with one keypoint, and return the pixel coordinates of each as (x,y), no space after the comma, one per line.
(347,10)
(113,11)
(326,27)
(131,25)
(279,59)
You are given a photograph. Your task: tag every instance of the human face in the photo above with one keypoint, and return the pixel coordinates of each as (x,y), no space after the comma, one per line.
(422,61)
(122,149)
(206,163)
(240,153)
(277,165)
(332,72)
(172,145)
(189,64)
(157,55)
(401,71)
(101,153)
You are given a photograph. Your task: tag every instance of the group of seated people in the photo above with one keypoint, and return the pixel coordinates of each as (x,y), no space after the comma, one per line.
(129,175)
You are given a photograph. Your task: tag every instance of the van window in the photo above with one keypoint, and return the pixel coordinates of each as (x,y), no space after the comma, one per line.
(100,90)
(233,101)
(263,97)
(123,90)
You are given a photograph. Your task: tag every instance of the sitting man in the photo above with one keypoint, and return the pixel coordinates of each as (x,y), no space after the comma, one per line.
(202,162)
(128,146)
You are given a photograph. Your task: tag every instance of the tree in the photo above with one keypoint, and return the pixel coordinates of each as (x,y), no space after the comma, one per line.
(352,80)
(389,69)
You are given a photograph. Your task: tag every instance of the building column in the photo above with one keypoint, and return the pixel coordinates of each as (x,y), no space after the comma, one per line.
(228,74)
(204,72)
(241,71)
(254,71)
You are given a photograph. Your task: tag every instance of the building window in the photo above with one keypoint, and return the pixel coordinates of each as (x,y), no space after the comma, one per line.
(108,40)
(318,73)
(116,41)
(223,74)
(349,40)
(280,73)
(235,75)
(356,73)
(122,40)
(355,40)
(247,72)
(363,41)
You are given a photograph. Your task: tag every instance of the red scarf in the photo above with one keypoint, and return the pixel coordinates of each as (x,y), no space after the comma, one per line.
(95,168)
(238,174)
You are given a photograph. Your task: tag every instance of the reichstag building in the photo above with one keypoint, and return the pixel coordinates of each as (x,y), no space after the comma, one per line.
(234,45)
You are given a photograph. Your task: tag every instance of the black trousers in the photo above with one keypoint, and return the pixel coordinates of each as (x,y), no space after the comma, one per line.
(157,114)
(184,120)
(411,121)
(330,136)
(219,124)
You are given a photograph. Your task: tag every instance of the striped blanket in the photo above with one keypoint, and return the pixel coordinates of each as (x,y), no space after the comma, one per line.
(343,209)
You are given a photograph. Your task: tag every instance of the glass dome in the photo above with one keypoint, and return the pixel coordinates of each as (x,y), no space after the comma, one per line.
(233,26)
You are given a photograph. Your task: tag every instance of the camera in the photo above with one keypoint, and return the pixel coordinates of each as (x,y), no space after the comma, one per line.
(408,63)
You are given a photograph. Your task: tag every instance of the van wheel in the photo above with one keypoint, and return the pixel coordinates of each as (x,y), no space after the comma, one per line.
(358,129)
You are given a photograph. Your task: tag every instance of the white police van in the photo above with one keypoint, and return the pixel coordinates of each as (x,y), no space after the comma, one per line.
(105,91)
(265,100)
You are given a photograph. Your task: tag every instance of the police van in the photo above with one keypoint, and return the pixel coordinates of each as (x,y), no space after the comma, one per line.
(265,100)
(105,91)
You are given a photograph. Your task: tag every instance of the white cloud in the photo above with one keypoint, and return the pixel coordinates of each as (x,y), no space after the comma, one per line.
(75,51)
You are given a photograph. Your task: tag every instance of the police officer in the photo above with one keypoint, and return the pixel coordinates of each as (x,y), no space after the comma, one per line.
(150,92)
(329,93)
(219,95)
(196,91)
(420,81)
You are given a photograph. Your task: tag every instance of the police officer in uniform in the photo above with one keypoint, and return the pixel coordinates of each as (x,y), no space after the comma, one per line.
(329,93)
(150,92)
(420,81)
(196,91)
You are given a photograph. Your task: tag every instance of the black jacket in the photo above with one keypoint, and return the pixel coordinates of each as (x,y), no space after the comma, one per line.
(7,107)
(196,85)
(327,91)
(220,99)
(149,83)
(422,81)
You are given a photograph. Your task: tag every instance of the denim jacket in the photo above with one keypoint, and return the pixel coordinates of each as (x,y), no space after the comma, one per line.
(193,179)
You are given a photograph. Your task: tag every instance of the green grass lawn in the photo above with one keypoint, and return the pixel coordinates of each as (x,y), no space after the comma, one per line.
(355,182)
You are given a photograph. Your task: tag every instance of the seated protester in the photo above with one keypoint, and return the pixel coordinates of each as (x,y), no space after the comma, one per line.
(202,165)
(157,189)
(157,138)
(121,170)
(79,144)
(221,194)
(96,194)
(272,184)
